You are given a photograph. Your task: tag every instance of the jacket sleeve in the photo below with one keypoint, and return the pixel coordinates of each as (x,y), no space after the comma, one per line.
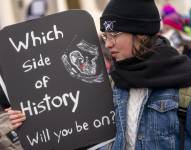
(9,139)
(4,103)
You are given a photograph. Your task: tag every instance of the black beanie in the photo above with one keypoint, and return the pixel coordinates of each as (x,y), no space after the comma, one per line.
(132,16)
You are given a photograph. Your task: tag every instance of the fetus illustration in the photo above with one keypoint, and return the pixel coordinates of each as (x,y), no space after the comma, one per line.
(81,62)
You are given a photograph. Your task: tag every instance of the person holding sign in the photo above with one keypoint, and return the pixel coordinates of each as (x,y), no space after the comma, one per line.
(148,74)
(9,120)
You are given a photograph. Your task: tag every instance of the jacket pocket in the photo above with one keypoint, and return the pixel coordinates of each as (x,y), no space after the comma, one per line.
(162,117)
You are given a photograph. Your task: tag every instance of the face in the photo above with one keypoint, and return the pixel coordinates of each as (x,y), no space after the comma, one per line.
(120,44)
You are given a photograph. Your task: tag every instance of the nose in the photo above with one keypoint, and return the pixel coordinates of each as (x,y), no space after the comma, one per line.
(109,44)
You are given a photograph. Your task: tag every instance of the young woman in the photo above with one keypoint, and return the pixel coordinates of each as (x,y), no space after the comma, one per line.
(147,73)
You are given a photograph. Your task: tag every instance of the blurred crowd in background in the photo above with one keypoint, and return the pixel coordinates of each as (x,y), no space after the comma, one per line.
(175,15)
(177,28)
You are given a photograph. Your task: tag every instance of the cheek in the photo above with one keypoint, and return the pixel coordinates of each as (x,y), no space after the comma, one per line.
(126,50)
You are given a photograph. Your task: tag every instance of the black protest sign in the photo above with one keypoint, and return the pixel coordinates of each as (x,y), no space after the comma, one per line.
(54,71)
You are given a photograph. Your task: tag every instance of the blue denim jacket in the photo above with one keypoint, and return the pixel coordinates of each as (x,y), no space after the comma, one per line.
(158,123)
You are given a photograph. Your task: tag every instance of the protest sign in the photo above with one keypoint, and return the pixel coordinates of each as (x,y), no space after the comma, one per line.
(54,71)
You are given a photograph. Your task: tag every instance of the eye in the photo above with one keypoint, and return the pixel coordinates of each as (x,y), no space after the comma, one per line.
(113,34)
(104,37)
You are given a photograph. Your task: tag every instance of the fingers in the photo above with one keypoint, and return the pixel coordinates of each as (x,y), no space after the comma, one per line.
(7,109)
(16,118)
(15,114)
(15,126)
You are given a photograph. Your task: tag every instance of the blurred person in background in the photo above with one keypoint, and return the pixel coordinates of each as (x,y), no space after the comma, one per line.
(148,75)
(176,29)
(36,9)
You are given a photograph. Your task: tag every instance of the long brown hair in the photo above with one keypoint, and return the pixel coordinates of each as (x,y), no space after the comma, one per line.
(142,44)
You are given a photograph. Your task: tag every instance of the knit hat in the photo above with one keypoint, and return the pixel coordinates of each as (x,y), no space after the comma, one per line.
(174,20)
(167,10)
(132,16)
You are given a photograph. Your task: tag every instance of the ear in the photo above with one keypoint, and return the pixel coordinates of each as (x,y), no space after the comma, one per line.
(137,39)
(141,38)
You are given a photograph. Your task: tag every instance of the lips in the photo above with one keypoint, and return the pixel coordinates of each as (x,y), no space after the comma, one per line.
(113,53)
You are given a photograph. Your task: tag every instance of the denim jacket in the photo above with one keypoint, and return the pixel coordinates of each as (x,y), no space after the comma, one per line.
(158,123)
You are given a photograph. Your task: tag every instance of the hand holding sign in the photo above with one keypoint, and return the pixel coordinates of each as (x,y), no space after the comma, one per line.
(16,117)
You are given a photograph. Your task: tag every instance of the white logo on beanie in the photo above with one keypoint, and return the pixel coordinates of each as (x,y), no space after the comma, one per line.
(109,25)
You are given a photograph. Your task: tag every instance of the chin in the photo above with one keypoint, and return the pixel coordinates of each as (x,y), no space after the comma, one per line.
(119,59)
